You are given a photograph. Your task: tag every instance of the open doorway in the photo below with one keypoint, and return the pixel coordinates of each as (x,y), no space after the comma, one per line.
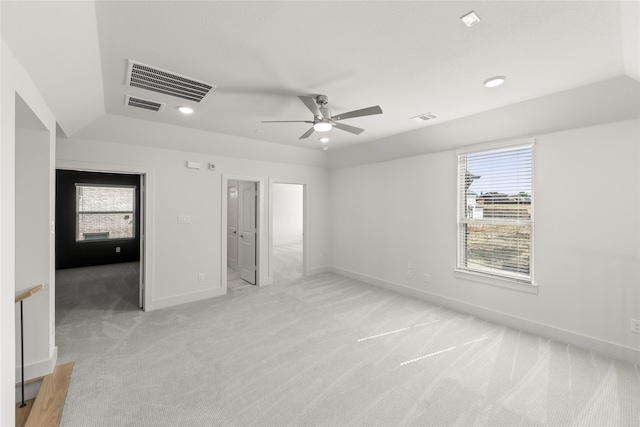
(99,241)
(288,232)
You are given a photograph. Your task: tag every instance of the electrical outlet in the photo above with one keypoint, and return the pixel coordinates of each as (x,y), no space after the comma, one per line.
(201,277)
(635,326)
(409,274)
(426,278)
(117,249)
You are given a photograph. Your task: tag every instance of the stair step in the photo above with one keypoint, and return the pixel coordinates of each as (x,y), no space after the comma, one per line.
(47,408)
(22,414)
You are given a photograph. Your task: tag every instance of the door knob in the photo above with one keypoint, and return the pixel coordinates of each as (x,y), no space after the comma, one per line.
(242,236)
(234,232)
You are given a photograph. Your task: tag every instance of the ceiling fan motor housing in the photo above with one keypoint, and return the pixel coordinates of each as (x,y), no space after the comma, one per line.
(322,100)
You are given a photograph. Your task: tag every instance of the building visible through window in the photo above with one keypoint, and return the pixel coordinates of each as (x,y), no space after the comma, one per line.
(495,211)
(104,213)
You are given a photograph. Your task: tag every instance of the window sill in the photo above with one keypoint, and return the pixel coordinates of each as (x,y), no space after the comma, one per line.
(496,281)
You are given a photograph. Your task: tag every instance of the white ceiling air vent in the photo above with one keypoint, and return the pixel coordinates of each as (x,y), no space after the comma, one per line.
(166,82)
(147,104)
(424,117)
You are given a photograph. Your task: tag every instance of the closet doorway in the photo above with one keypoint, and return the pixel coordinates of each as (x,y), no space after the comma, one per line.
(242,232)
(288,236)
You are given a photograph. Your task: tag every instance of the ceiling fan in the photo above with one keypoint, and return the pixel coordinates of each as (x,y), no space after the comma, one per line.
(323,121)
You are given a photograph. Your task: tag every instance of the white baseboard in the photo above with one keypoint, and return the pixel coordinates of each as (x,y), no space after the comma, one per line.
(287,242)
(607,348)
(30,391)
(35,370)
(317,270)
(185,298)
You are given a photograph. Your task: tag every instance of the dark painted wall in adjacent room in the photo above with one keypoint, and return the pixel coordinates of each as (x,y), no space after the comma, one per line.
(69,252)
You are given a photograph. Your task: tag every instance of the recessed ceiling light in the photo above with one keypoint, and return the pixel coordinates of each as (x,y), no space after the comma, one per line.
(424,117)
(470,18)
(185,110)
(325,140)
(494,81)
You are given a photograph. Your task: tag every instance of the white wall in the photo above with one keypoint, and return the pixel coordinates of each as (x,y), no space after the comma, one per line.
(287,213)
(15,81)
(33,261)
(181,251)
(587,250)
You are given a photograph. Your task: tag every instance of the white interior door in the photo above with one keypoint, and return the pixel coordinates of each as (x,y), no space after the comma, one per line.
(247,228)
(232,224)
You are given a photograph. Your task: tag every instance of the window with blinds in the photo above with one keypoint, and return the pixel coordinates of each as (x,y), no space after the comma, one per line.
(495,210)
(104,213)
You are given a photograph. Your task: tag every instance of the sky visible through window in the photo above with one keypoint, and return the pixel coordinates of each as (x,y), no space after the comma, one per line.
(506,172)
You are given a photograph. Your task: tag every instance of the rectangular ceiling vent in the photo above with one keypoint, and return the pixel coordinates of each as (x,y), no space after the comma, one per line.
(168,83)
(424,117)
(147,104)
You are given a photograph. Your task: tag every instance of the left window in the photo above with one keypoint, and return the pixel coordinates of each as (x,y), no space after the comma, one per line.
(105,212)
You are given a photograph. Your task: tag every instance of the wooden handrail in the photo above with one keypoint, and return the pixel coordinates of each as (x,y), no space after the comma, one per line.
(27,294)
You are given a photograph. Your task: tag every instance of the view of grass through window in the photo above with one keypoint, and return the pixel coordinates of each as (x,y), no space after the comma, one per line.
(495,221)
(105,213)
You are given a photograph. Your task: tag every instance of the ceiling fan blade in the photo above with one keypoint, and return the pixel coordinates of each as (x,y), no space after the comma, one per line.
(286,121)
(311,105)
(359,113)
(348,128)
(307,133)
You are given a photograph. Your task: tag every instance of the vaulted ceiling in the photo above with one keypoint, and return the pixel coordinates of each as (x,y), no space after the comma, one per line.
(409,58)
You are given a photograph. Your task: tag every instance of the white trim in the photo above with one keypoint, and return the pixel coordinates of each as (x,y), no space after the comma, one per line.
(39,368)
(496,146)
(597,345)
(148,203)
(187,298)
(501,281)
(318,270)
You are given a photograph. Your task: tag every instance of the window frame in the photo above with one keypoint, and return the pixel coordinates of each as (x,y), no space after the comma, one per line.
(133,213)
(506,279)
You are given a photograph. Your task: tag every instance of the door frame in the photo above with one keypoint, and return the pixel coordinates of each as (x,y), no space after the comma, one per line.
(305,222)
(263,276)
(146,216)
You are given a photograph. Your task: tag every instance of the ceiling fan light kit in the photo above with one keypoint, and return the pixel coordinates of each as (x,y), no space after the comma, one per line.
(322,126)
(323,121)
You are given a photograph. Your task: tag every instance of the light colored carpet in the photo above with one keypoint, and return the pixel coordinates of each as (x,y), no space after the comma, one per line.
(287,266)
(287,262)
(326,350)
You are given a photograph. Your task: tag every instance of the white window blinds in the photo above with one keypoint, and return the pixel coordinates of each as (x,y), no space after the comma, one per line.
(495,210)
(104,213)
